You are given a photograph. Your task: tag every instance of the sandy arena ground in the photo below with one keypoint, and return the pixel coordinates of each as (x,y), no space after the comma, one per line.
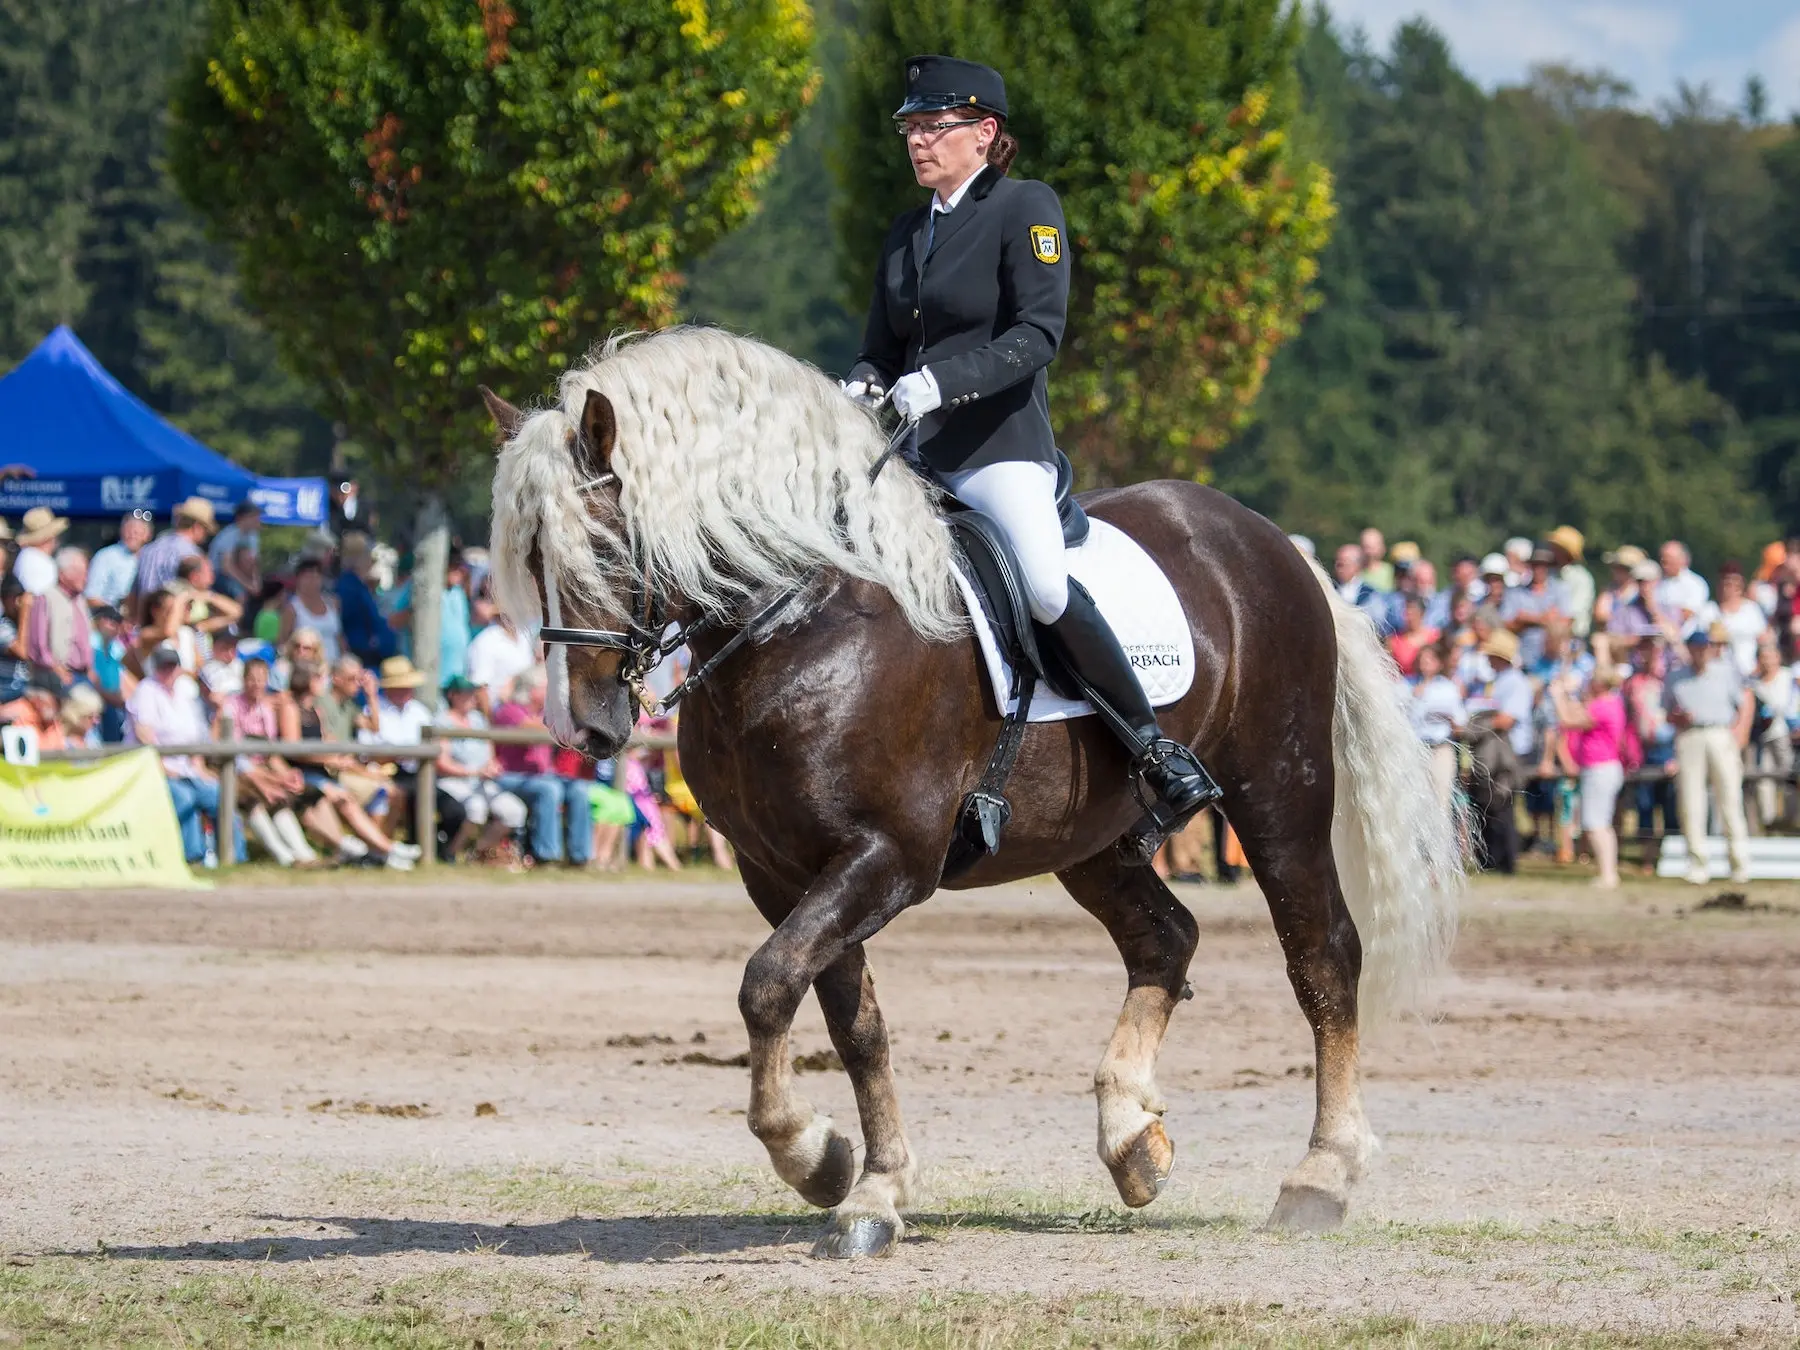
(408,1074)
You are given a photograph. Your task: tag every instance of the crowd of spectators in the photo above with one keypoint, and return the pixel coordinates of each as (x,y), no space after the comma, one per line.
(192,636)
(1595,699)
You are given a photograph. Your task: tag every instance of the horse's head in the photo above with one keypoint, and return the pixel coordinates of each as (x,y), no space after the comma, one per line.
(554,522)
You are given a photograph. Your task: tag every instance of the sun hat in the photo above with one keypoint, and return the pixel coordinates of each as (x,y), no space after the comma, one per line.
(1404,552)
(1542,554)
(1627,556)
(165,654)
(1517,544)
(1503,645)
(398,672)
(460,684)
(1645,570)
(1494,565)
(40,526)
(1568,539)
(196,511)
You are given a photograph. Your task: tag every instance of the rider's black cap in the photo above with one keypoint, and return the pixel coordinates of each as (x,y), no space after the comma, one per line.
(939,83)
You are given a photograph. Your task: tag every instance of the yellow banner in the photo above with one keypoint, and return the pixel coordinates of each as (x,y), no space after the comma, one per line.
(108,823)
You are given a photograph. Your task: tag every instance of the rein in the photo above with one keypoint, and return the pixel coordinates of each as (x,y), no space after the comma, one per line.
(644,645)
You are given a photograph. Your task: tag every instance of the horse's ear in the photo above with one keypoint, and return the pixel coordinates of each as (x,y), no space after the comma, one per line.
(507,418)
(599,433)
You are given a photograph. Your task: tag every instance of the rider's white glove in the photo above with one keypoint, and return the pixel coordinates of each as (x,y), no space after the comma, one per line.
(864,393)
(917,394)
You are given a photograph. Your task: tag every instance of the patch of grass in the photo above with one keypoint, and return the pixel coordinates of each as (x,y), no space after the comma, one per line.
(79,1304)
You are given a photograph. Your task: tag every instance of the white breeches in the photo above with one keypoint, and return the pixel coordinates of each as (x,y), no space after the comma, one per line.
(1021,497)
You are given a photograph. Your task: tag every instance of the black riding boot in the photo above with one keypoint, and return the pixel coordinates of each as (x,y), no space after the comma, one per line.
(1086,642)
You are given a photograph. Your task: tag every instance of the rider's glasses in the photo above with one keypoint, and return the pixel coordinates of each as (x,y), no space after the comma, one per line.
(933,128)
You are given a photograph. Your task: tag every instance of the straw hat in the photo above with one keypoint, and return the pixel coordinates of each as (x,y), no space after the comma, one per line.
(1627,556)
(397,672)
(40,526)
(1404,552)
(1502,645)
(1568,539)
(196,511)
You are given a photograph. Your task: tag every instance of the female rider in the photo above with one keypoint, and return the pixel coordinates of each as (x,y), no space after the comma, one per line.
(970,301)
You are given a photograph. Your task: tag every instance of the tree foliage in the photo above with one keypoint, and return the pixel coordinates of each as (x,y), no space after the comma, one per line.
(424,195)
(1165,128)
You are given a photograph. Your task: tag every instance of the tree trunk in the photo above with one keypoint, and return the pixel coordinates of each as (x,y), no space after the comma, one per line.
(431,550)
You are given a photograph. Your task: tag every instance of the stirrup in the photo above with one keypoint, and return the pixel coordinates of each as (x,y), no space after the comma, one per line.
(1161,818)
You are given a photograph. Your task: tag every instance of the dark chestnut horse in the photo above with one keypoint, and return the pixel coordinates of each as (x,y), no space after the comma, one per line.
(695,473)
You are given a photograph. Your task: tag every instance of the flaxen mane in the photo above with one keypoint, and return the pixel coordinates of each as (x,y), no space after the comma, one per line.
(739,468)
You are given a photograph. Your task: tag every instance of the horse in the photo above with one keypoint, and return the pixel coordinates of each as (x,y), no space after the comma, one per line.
(696,477)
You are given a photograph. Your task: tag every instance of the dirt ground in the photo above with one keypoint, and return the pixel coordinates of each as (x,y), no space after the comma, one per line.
(414,1075)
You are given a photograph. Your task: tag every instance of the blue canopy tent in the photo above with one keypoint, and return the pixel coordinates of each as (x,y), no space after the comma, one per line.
(98,450)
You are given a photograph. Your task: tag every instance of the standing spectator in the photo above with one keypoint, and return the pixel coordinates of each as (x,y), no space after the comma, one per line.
(1626,611)
(1596,734)
(165,709)
(110,677)
(1763,588)
(235,553)
(190,526)
(1743,619)
(1406,644)
(208,610)
(1504,707)
(38,533)
(468,771)
(1577,582)
(1347,568)
(1465,579)
(1405,558)
(113,570)
(1493,577)
(1377,571)
(1712,712)
(57,635)
(529,772)
(1648,710)
(366,630)
(1526,609)
(165,620)
(1425,583)
(454,632)
(1772,733)
(498,655)
(308,606)
(1517,552)
(1438,716)
(1682,593)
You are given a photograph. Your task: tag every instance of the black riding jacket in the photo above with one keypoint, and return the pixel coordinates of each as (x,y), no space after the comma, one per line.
(985,309)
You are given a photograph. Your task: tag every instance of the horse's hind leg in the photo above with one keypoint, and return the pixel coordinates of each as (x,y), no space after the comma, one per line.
(1287,838)
(1156,936)
(867,1220)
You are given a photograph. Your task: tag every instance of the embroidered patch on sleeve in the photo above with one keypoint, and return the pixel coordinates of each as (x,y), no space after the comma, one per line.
(1046,243)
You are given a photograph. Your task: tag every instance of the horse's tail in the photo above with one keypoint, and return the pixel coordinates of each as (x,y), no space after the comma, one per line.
(1401,856)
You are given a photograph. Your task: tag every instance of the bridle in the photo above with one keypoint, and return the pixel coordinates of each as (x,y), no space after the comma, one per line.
(647,641)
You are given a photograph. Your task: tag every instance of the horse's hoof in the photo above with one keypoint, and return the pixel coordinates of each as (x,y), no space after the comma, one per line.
(1144,1169)
(1307,1209)
(829,1182)
(863,1235)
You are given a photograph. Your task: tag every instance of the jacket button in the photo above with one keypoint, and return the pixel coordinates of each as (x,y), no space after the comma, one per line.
(915,314)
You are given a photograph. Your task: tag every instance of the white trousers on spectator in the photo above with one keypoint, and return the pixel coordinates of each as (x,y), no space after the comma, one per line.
(1021,497)
(1704,754)
(480,798)
(1443,772)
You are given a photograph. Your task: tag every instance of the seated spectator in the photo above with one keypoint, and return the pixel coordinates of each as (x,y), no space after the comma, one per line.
(1376,570)
(468,771)
(222,674)
(400,719)
(528,772)
(38,533)
(1772,732)
(1492,580)
(1597,733)
(110,676)
(80,716)
(1742,618)
(265,611)
(15,670)
(310,608)
(498,655)
(1681,593)
(166,709)
(1413,635)
(208,610)
(367,631)
(165,621)
(39,708)
(1438,716)
(269,783)
(329,805)
(113,569)
(1354,588)
(1644,704)
(303,647)
(57,636)
(613,811)
(1473,670)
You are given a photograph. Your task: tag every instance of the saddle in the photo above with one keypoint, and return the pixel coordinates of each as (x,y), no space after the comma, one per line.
(993,573)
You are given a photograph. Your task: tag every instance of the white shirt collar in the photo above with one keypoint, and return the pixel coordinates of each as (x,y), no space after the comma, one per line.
(939,204)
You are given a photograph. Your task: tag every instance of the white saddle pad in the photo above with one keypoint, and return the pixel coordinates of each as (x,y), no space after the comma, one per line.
(1138,602)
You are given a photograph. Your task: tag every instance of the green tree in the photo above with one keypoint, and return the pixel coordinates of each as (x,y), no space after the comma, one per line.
(1166,129)
(424,195)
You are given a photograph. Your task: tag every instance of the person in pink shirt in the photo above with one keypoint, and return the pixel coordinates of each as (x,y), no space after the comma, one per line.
(1595,733)
(528,771)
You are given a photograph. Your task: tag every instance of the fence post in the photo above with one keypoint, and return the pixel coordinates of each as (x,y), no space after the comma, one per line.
(425,808)
(225,827)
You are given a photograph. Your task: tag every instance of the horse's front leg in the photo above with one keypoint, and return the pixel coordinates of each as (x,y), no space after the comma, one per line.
(850,901)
